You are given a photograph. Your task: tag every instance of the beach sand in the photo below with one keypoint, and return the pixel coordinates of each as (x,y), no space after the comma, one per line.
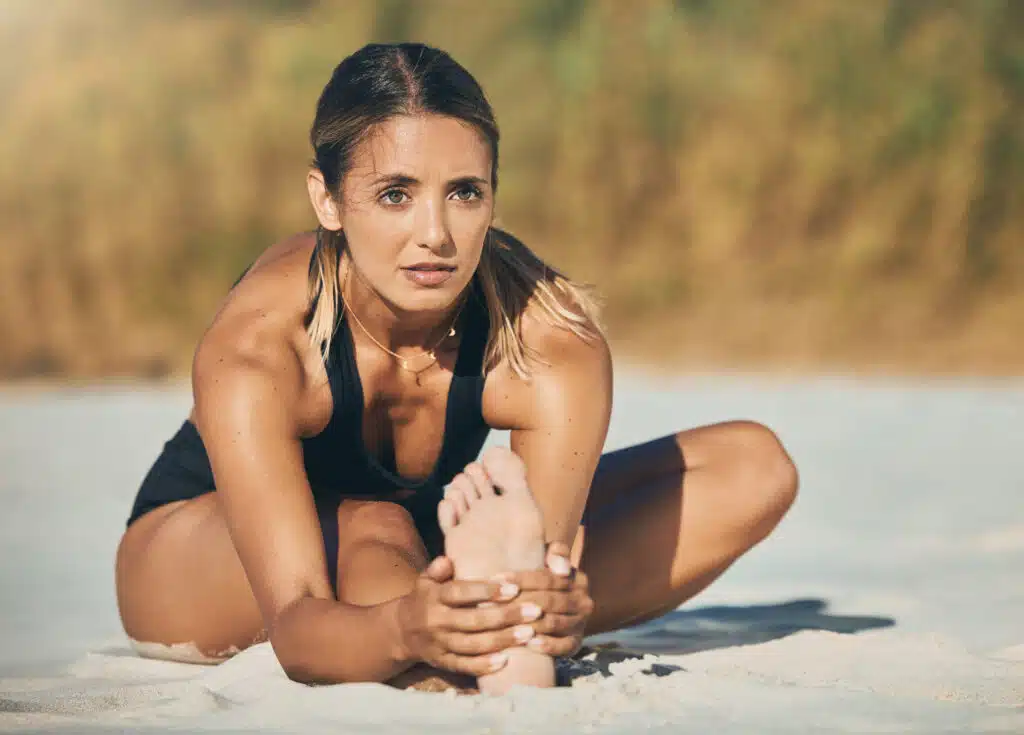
(891,599)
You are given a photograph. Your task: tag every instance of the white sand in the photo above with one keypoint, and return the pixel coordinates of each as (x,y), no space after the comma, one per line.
(890,600)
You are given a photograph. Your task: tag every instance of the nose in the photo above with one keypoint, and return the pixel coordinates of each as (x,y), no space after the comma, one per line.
(432,231)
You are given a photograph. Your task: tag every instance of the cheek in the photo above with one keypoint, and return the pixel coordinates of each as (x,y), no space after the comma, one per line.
(469,229)
(374,241)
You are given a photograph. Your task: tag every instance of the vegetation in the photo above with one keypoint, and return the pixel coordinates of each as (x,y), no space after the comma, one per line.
(804,184)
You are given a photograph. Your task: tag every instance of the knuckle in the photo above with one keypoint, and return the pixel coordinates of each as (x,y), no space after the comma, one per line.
(437,617)
(544,625)
(557,623)
(465,645)
(553,604)
(477,619)
(449,595)
(459,620)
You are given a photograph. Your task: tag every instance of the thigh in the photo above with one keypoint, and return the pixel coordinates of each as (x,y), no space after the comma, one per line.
(650,540)
(180,583)
(619,473)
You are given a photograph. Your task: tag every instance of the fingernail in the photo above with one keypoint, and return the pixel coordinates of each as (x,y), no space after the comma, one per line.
(508,591)
(560,565)
(523,633)
(536,644)
(530,611)
(498,660)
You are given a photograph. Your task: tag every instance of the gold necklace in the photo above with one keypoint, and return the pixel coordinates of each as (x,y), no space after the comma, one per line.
(403,362)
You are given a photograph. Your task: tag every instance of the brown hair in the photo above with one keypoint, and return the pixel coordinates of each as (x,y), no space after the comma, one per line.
(377,83)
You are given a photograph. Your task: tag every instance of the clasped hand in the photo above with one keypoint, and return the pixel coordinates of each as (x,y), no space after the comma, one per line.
(465,626)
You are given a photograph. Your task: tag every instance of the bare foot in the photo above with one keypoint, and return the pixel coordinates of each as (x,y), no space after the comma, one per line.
(492,525)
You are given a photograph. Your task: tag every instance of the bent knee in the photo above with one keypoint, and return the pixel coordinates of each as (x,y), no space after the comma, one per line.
(377,521)
(768,472)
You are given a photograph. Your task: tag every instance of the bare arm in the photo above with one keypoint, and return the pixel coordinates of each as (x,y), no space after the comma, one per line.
(559,422)
(246,411)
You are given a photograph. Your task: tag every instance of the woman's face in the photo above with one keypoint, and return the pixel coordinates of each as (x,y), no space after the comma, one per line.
(415,206)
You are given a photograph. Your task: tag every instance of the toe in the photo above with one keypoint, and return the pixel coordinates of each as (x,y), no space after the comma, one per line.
(505,469)
(458,493)
(482,487)
(446,516)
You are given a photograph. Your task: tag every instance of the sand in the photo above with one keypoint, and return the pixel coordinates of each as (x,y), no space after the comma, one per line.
(891,599)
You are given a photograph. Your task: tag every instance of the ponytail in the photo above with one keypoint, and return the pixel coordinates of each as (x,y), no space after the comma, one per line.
(323,289)
(512,277)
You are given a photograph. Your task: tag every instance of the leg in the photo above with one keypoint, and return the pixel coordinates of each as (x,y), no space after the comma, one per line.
(380,555)
(183,591)
(657,532)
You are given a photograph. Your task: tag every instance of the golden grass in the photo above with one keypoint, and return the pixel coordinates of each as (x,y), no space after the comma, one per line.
(793,185)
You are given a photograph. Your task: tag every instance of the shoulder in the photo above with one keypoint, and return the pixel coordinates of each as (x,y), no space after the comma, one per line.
(558,348)
(256,342)
(566,370)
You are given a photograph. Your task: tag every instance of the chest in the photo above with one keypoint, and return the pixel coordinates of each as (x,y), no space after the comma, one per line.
(404,417)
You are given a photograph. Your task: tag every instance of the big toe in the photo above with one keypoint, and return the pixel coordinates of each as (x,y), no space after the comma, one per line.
(506,469)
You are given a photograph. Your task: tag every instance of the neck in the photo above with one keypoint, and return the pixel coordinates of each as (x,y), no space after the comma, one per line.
(397,330)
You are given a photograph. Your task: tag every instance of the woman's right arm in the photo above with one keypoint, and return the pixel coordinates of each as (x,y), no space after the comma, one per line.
(246,408)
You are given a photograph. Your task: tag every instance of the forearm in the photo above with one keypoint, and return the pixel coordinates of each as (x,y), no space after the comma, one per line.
(322,641)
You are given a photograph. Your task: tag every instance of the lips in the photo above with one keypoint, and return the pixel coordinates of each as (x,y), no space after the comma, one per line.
(430,267)
(429,275)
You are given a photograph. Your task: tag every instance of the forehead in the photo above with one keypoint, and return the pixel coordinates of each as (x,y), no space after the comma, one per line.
(423,146)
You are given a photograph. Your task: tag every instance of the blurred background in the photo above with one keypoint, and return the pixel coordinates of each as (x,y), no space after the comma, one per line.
(800,185)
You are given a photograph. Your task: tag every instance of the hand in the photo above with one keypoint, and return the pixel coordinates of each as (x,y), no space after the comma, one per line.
(563,594)
(442,623)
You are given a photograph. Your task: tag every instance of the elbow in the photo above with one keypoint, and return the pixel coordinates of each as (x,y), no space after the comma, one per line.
(299,666)
(295,666)
(294,658)
(300,671)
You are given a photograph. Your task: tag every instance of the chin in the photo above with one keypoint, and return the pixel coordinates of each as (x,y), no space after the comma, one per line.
(423,300)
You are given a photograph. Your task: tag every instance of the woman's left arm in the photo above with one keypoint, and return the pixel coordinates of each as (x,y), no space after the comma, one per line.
(559,421)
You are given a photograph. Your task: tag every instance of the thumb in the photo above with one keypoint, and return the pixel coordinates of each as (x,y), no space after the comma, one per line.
(558,558)
(441,569)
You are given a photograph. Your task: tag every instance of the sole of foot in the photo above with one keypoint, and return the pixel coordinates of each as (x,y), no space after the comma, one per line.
(492,525)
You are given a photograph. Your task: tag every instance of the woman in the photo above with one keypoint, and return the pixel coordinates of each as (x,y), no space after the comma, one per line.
(343,393)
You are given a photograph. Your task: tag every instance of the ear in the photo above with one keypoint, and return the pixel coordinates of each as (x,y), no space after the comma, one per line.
(326,208)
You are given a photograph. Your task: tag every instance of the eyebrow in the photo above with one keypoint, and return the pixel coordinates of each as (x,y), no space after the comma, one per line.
(406,180)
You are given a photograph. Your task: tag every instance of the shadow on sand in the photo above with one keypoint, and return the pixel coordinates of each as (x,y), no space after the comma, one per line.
(707,628)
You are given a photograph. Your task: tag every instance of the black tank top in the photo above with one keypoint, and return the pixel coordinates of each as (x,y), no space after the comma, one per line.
(337,460)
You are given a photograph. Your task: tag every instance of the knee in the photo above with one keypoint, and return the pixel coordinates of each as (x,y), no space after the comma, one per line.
(766,470)
(379,522)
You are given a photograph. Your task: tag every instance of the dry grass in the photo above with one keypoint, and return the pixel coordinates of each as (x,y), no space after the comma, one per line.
(787,185)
